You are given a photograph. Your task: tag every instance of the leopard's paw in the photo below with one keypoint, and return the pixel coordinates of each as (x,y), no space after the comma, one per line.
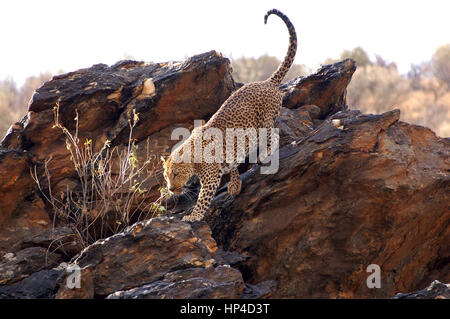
(234,188)
(192,218)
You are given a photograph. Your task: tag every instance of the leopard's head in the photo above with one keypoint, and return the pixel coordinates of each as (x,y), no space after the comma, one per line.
(176,174)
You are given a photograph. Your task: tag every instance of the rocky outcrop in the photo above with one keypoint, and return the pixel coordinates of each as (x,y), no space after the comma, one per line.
(436,290)
(351,190)
(39,285)
(192,283)
(16,266)
(22,212)
(370,190)
(325,89)
(149,251)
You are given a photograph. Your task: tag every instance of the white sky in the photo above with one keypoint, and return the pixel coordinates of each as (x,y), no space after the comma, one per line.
(46,35)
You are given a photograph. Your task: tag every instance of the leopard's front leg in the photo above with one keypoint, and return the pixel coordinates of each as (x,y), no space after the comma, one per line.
(210,176)
(234,185)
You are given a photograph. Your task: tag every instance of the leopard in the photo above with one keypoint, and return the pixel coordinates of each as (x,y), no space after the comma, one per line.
(254,105)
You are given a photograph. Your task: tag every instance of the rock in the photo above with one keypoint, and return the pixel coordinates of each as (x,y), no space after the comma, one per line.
(325,89)
(436,290)
(14,181)
(39,285)
(221,282)
(15,267)
(293,124)
(21,211)
(145,253)
(260,290)
(313,110)
(30,218)
(61,239)
(68,288)
(371,190)
(165,95)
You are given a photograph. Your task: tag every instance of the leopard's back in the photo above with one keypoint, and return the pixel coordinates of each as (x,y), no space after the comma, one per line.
(254,105)
(257,104)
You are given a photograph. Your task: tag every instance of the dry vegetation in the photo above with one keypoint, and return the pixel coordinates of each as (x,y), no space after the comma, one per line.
(111,193)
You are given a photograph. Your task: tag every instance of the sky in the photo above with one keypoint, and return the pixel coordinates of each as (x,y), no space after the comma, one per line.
(48,35)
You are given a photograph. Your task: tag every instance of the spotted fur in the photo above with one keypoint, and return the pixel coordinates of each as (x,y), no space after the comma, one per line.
(254,105)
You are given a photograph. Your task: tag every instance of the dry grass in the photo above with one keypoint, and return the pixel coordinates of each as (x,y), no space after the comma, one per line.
(110,195)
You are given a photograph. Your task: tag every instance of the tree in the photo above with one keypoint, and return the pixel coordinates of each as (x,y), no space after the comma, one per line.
(8,98)
(14,102)
(441,64)
(31,84)
(359,55)
(416,75)
(377,89)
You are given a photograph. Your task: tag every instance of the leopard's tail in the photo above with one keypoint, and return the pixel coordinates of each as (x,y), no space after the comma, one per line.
(279,74)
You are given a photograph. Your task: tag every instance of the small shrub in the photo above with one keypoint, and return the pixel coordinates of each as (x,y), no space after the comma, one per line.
(111,194)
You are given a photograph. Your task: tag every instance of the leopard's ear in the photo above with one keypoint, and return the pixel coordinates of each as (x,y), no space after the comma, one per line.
(163,159)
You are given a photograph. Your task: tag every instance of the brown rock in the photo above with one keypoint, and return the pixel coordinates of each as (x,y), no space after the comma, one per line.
(59,239)
(313,110)
(165,95)
(39,285)
(144,253)
(436,290)
(326,88)
(22,213)
(221,282)
(293,124)
(371,190)
(85,289)
(29,219)
(16,266)
(15,181)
